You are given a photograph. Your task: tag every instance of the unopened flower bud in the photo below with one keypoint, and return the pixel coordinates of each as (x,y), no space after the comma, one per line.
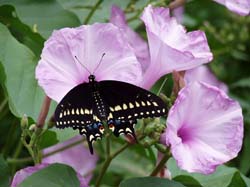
(24,121)
(33,127)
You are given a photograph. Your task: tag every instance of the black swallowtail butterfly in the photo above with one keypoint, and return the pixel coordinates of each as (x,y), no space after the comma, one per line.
(119,103)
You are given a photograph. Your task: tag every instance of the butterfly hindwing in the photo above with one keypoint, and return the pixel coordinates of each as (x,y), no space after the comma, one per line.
(77,110)
(127,103)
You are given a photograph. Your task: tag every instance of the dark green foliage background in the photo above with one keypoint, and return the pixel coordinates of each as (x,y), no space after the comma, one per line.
(26,24)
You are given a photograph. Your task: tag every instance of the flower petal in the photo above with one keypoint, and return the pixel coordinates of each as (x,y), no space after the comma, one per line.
(26,172)
(138,44)
(241,7)
(205,128)
(59,71)
(171,47)
(204,74)
(78,157)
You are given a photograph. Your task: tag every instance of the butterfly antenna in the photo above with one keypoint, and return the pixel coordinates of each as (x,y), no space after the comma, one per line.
(99,63)
(82,65)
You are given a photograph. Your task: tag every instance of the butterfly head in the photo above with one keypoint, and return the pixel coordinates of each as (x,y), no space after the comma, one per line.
(91,78)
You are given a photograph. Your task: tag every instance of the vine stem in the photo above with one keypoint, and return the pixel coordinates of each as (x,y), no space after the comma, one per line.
(86,21)
(29,159)
(160,165)
(177,3)
(108,161)
(44,112)
(162,85)
(2,105)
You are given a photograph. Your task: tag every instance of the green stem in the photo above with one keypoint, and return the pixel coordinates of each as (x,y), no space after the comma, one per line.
(29,159)
(18,149)
(19,161)
(109,159)
(2,105)
(162,85)
(86,21)
(108,145)
(103,170)
(63,148)
(160,165)
(107,163)
(16,154)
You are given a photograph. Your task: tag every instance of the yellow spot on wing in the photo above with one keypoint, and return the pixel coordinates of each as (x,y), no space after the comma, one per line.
(124,106)
(137,104)
(117,108)
(155,104)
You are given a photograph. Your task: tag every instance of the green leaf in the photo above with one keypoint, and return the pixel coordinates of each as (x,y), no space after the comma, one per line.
(150,182)
(222,177)
(187,181)
(4,172)
(43,16)
(64,134)
(19,62)
(55,175)
(20,31)
(2,74)
(133,162)
(245,83)
(244,165)
(48,138)
(237,181)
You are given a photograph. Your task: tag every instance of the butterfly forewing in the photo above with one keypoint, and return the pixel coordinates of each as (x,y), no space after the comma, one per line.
(77,110)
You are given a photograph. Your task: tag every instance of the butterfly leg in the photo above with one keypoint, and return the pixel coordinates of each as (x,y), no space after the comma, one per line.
(92,132)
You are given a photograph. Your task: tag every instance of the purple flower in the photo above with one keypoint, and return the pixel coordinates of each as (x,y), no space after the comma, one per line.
(171,47)
(241,7)
(204,74)
(138,44)
(26,172)
(59,70)
(78,157)
(204,128)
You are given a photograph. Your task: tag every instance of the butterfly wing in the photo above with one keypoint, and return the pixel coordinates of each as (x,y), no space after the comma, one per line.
(127,103)
(77,110)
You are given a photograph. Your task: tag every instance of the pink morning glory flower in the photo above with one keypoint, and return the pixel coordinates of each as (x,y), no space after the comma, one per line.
(77,157)
(59,69)
(26,172)
(241,7)
(204,128)
(171,47)
(204,74)
(138,44)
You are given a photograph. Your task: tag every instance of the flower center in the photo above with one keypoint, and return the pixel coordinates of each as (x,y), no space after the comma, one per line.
(185,133)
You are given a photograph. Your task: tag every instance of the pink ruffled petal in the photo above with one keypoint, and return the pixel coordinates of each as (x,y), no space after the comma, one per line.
(205,128)
(171,47)
(26,172)
(241,7)
(138,44)
(78,157)
(59,71)
(203,73)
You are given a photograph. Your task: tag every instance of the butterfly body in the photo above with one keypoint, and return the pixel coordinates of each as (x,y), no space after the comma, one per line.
(120,104)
